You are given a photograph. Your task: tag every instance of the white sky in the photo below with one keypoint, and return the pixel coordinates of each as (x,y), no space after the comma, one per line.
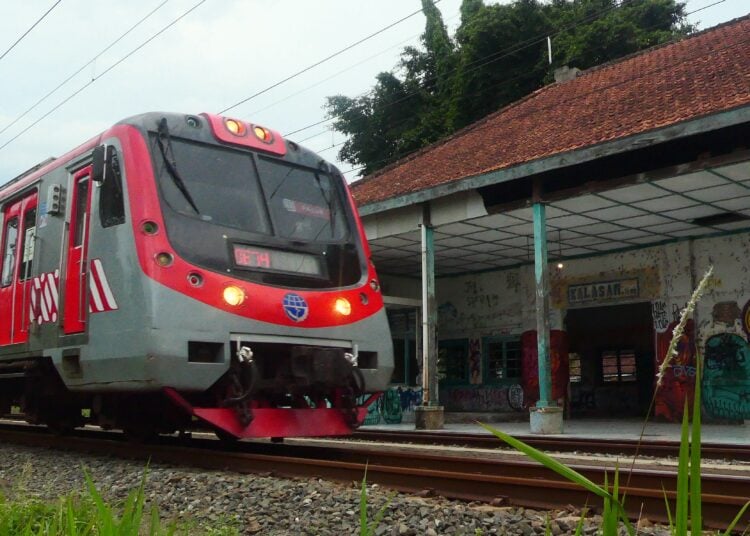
(219,54)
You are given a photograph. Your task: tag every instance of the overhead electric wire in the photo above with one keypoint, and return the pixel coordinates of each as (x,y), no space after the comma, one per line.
(92,60)
(118,62)
(339,73)
(27,32)
(495,56)
(272,86)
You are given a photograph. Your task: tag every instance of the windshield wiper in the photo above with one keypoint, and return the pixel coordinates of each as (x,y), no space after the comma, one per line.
(168,156)
(329,204)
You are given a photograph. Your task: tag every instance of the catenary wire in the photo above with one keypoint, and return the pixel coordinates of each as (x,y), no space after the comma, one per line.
(339,73)
(272,86)
(495,56)
(118,62)
(27,32)
(69,78)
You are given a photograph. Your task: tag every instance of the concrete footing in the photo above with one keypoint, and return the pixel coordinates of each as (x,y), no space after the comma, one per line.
(429,417)
(547,420)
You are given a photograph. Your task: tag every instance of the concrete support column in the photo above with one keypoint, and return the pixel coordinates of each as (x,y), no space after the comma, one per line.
(546,417)
(429,416)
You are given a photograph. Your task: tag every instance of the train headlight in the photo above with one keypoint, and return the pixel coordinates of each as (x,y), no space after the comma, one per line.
(343,307)
(234,296)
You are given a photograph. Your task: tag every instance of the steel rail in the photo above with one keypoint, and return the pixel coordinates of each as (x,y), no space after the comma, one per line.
(626,447)
(498,481)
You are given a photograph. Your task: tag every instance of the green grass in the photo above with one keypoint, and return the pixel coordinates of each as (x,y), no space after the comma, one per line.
(90,514)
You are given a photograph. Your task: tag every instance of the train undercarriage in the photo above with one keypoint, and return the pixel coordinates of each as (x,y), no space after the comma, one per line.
(270,390)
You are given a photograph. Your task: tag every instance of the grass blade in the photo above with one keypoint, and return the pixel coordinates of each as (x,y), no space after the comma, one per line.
(683,468)
(549,462)
(363,528)
(579,527)
(104,520)
(696,516)
(668,508)
(736,519)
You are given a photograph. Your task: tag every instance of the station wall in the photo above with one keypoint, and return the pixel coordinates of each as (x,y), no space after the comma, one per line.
(604,307)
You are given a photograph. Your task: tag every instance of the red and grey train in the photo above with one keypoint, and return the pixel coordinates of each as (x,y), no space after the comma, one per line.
(180,270)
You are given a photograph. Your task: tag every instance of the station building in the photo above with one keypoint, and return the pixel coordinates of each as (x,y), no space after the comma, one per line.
(587,212)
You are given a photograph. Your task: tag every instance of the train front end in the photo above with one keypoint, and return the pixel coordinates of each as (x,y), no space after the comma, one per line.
(264,307)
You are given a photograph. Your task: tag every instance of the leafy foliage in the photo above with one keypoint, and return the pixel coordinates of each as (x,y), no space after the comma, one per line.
(497,56)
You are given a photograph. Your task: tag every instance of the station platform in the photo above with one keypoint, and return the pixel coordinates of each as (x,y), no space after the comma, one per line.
(735,434)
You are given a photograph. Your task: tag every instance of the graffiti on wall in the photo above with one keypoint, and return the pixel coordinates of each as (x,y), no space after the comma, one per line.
(475,399)
(746,319)
(660,316)
(726,378)
(678,383)
(394,405)
(476,308)
(558,365)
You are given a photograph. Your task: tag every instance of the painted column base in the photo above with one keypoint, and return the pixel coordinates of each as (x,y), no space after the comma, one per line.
(429,417)
(547,420)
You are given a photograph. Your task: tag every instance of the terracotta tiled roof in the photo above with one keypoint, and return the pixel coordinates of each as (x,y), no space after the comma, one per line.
(697,76)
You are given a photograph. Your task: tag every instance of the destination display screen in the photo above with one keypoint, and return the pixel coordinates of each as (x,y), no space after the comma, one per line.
(277,260)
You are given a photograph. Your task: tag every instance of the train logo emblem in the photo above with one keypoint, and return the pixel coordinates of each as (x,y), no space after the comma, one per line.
(295,307)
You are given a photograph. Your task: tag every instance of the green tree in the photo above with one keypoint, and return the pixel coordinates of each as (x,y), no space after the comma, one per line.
(592,32)
(400,116)
(501,57)
(498,56)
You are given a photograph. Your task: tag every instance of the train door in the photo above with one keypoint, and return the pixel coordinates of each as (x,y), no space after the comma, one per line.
(76,271)
(19,231)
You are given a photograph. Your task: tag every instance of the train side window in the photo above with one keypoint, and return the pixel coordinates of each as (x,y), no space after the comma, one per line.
(27,245)
(81,205)
(111,199)
(9,252)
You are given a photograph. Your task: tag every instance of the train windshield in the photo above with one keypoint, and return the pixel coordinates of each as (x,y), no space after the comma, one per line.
(224,187)
(257,216)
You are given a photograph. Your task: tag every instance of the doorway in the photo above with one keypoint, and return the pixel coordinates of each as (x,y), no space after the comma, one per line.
(611,351)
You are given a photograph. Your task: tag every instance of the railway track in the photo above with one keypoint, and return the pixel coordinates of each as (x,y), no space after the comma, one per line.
(624,447)
(500,481)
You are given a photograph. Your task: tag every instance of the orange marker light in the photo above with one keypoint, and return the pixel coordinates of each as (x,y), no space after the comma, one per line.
(263,134)
(235,127)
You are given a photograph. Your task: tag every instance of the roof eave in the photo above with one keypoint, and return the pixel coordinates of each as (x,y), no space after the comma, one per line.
(682,129)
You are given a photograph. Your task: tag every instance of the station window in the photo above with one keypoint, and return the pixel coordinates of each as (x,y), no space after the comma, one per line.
(453,357)
(618,366)
(403,324)
(502,358)
(405,366)
(574,363)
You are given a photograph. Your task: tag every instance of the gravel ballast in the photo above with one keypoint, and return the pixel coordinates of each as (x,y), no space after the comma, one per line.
(268,505)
